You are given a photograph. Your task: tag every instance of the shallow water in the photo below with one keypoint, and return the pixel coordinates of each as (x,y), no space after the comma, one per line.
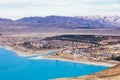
(13,67)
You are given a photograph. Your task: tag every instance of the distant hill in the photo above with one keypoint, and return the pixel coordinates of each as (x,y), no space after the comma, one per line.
(79,22)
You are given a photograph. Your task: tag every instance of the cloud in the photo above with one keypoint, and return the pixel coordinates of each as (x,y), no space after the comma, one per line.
(21,8)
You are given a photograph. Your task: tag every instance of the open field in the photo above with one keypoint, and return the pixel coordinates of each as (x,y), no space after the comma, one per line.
(55,31)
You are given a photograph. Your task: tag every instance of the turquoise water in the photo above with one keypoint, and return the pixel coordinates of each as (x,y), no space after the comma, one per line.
(44,54)
(13,67)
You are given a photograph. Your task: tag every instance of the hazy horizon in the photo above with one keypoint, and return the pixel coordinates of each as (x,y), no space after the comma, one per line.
(54,15)
(15,9)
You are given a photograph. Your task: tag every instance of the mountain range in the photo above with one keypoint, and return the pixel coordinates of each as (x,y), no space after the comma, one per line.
(77,22)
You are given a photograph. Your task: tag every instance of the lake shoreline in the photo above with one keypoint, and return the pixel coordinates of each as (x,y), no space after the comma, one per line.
(74,61)
(28,54)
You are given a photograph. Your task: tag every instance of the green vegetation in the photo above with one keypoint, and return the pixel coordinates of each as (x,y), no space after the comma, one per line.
(113,43)
(79,38)
(115,57)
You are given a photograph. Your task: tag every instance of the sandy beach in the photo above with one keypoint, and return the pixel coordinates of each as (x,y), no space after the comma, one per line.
(24,54)
(19,53)
(27,54)
(66,60)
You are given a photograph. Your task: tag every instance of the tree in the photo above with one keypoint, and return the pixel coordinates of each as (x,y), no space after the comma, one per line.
(0,34)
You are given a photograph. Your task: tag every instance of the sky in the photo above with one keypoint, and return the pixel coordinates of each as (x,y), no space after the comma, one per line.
(15,9)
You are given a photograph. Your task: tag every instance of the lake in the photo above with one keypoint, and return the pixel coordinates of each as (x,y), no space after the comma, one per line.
(14,67)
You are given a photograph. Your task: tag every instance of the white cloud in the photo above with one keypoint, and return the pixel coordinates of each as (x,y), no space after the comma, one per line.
(21,8)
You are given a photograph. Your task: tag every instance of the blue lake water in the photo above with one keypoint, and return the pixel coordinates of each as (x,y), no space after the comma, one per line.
(13,67)
(44,54)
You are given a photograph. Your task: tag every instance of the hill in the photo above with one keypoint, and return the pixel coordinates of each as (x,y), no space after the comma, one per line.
(86,22)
